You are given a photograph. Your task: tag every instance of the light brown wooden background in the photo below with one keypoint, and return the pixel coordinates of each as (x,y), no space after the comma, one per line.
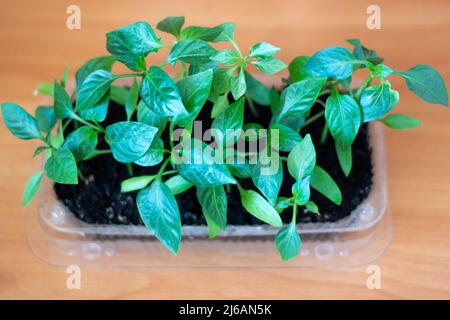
(35,45)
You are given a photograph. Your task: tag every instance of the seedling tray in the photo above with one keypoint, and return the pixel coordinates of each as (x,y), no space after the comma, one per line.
(56,236)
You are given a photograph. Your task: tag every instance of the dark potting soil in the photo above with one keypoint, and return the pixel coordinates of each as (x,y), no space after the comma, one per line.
(99,200)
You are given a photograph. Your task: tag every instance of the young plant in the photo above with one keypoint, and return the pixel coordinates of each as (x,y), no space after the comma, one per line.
(157,103)
(346,108)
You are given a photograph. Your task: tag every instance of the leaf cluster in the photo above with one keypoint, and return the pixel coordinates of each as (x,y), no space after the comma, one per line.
(158,102)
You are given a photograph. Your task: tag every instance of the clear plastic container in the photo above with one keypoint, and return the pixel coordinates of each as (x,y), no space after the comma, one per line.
(56,236)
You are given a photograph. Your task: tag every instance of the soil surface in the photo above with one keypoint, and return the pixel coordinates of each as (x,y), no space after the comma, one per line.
(99,200)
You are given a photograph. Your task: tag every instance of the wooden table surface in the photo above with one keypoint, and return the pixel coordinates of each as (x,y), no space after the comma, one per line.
(35,45)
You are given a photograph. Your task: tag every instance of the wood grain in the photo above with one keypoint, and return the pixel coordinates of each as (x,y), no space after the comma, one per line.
(35,45)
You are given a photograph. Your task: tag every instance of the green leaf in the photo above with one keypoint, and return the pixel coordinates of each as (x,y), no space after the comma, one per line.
(197,68)
(343,117)
(136,183)
(298,98)
(263,50)
(119,95)
(219,106)
(378,100)
(64,76)
(282,204)
(132,99)
(332,62)
(171,25)
(154,155)
(275,102)
(344,154)
(98,112)
(32,188)
(159,212)
(269,183)
(98,63)
(221,83)
(426,83)
(288,138)
(198,166)
(227,32)
(56,141)
(238,85)
(21,124)
(322,182)
(194,90)
(147,116)
(383,71)
(81,142)
(131,44)
(301,191)
(257,206)
(61,167)
(312,207)
(129,140)
(226,57)
(39,150)
(45,118)
(297,69)
(269,65)
(177,184)
(288,242)
(400,121)
(240,169)
(232,118)
(191,51)
(161,94)
(214,207)
(46,89)
(215,34)
(257,91)
(362,53)
(93,89)
(302,159)
(62,104)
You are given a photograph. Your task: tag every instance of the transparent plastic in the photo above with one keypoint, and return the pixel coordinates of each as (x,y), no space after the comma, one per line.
(56,236)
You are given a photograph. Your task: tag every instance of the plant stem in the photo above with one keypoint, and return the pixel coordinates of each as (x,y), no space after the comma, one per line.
(67,124)
(324,92)
(234,44)
(169,172)
(128,75)
(97,153)
(130,169)
(324,135)
(167,46)
(161,170)
(100,152)
(315,117)
(93,126)
(80,175)
(171,128)
(61,130)
(363,86)
(251,105)
(294,212)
